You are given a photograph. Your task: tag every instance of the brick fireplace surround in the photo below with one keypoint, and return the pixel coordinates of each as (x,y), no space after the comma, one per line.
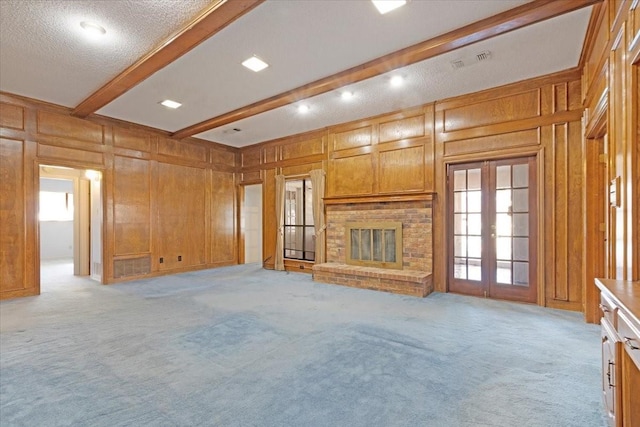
(417,248)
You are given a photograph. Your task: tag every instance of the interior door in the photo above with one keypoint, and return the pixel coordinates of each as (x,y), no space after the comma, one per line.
(492,237)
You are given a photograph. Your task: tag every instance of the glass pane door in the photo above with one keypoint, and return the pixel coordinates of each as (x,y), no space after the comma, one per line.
(512,200)
(466,184)
(492,229)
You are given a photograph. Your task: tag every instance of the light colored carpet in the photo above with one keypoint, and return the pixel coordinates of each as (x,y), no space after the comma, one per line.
(242,346)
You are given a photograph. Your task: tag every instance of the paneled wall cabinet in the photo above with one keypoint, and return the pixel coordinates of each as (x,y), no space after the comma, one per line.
(620,306)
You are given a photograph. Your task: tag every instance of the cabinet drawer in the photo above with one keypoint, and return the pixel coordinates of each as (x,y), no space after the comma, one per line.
(629,332)
(609,310)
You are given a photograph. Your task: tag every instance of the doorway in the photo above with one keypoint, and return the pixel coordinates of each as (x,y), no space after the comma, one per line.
(251,223)
(492,244)
(70,225)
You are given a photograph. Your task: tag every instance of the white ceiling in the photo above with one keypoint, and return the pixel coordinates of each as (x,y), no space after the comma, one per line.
(43,56)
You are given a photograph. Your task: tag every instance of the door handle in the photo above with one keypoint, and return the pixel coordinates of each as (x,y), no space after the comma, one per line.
(627,341)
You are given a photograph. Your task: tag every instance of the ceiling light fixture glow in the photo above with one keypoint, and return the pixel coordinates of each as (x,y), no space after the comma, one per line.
(255,64)
(385,6)
(93,29)
(170,104)
(347,95)
(303,109)
(396,81)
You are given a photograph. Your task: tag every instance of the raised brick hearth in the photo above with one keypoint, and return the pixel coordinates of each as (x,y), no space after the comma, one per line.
(415,283)
(417,251)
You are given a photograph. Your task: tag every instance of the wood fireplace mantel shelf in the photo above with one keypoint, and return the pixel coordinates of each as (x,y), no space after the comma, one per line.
(379,198)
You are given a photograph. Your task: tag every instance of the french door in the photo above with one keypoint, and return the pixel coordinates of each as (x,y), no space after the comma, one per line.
(492,213)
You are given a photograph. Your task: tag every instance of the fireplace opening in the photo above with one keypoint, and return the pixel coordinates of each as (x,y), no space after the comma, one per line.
(374,244)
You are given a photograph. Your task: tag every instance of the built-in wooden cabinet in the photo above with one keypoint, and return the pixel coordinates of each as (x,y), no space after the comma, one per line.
(620,307)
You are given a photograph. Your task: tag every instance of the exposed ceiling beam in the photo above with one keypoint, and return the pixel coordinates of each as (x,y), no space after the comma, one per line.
(211,20)
(522,16)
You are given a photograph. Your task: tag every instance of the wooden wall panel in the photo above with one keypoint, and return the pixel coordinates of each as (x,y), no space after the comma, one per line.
(250,157)
(504,141)
(67,155)
(411,127)
(181,195)
(300,169)
(301,149)
(599,47)
(142,200)
(182,149)
(131,206)
(11,116)
(548,126)
(59,125)
(635,142)
(251,176)
(350,176)
(12,217)
(563,215)
(223,157)
(130,139)
(495,111)
(402,170)
(342,140)
(223,218)
(269,228)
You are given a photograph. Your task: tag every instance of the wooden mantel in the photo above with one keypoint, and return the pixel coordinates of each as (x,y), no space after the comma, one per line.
(379,198)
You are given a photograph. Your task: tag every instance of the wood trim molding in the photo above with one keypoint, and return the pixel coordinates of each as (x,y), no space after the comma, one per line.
(379,198)
(519,17)
(597,15)
(213,19)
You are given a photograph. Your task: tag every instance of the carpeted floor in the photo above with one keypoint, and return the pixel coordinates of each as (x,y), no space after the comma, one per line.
(242,346)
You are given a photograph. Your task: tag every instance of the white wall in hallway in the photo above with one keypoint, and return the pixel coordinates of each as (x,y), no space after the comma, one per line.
(56,237)
(252,215)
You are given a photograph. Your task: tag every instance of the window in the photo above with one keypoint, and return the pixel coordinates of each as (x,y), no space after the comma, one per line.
(299,235)
(375,245)
(56,206)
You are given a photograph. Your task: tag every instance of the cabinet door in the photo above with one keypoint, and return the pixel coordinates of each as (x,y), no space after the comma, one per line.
(610,373)
(629,332)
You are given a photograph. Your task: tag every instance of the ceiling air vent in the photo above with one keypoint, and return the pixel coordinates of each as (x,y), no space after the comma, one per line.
(231,131)
(482,56)
(470,60)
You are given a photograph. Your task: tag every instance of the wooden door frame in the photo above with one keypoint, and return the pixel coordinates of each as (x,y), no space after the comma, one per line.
(536,152)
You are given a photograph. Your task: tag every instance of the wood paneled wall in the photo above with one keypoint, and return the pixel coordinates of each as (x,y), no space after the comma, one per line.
(406,153)
(389,154)
(293,156)
(611,95)
(163,198)
(540,118)
(394,155)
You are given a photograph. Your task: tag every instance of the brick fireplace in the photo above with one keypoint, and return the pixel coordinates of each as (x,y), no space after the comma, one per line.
(414,277)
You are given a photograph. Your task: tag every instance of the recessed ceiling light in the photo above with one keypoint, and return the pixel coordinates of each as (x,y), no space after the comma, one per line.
(303,109)
(170,104)
(347,95)
(93,29)
(385,6)
(255,64)
(397,81)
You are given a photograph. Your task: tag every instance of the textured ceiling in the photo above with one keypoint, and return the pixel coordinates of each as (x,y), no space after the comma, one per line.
(43,56)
